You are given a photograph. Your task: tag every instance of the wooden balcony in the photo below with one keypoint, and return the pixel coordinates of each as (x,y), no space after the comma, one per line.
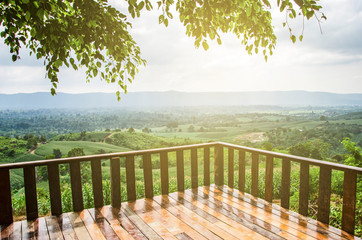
(211,211)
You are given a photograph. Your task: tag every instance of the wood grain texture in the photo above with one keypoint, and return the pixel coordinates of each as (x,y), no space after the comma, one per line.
(54,189)
(147,175)
(30,193)
(78,226)
(76,184)
(206,166)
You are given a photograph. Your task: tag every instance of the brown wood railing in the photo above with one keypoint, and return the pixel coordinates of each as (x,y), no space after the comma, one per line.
(349,188)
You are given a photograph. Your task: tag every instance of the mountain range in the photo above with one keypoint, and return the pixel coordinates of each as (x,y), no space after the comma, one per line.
(174,98)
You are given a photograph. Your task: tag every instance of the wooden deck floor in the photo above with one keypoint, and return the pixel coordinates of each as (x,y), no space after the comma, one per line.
(203,213)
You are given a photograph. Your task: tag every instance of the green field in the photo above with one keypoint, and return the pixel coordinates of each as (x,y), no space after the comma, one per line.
(65,146)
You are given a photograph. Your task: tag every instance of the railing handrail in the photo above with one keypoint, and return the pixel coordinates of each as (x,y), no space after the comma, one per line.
(102,156)
(320,163)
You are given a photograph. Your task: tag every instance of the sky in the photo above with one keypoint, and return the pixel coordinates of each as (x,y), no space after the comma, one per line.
(325,62)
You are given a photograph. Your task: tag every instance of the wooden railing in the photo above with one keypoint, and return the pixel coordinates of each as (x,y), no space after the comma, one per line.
(349,187)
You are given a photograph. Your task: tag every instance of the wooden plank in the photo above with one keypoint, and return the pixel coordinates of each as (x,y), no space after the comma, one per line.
(91,226)
(254,174)
(136,220)
(54,189)
(241,170)
(78,226)
(28,229)
(169,220)
(115,168)
(349,201)
(30,193)
(127,224)
(147,175)
(259,223)
(180,170)
(164,172)
(194,168)
(304,189)
(102,224)
(66,227)
(97,182)
(231,167)
(6,216)
(114,223)
(219,164)
(131,178)
(206,166)
(191,218)
(42,229)
(269,178)
(11,231)
(54,229)
(284,224)
(285,193)
(76,184)
(322,231)
(324,195)
(222,221)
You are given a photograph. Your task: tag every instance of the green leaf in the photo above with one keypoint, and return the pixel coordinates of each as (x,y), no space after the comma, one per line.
(205,45)
(219,41)
(27,16)
(300,37)
(293,38)
(141,5)
(248,11)
(33,32)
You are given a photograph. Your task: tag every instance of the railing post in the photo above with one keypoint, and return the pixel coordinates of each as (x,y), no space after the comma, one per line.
(206,166)
(147,175)
(180,170)
(194,168)
(97,182)
(254,174)
(115,168)
(349,201)
(131,178)
(324,195)
(54,189)
(304,188)
(241,171)
(231,167)
(30,193)
(269,178)
(285,194)
(164,172)
(219,164)
(76,184)
(6,210)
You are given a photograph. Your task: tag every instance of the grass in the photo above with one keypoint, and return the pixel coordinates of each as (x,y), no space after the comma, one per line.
(89,147)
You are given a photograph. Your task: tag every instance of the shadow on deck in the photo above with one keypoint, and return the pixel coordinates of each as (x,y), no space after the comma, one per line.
(199,213)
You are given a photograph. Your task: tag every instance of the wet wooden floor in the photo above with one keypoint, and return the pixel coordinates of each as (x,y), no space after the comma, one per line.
(203,213)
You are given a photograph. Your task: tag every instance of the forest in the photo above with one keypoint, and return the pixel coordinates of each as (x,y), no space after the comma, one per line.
(325,133)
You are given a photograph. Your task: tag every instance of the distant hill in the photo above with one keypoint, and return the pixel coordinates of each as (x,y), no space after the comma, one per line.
(173,98)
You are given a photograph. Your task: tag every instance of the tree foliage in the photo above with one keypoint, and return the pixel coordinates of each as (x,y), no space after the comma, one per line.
(94,35)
